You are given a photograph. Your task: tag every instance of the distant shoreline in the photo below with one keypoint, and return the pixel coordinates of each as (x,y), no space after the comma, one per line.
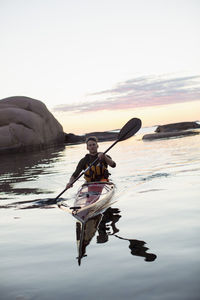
(162,131)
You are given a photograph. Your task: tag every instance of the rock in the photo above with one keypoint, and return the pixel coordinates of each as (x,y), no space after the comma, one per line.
(103,136)
(177,126)
(71,138)
(162,135)
(26,124)
(173,130)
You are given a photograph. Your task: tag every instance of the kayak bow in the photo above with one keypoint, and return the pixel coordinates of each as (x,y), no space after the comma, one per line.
(93,198)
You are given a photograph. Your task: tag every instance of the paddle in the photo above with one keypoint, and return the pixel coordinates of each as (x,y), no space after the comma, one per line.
(128,130)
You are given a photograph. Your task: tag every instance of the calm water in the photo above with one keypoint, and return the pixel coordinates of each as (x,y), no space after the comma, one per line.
(156,216)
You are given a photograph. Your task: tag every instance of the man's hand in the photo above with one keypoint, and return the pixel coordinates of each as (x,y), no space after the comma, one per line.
(107,159)
(70,183)
(101,156)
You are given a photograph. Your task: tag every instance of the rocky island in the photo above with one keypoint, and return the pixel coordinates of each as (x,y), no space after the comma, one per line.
(173,130)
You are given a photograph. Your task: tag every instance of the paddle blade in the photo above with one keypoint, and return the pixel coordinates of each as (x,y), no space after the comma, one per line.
(129,129)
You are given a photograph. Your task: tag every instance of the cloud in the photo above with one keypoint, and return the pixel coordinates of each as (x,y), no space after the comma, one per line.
(140,92)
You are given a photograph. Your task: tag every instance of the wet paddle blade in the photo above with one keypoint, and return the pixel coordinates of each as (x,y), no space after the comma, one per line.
(129,129)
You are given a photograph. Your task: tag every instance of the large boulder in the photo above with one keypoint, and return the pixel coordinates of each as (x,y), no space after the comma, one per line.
(27,124)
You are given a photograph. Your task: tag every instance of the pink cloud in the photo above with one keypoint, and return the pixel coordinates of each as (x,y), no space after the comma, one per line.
(140,92)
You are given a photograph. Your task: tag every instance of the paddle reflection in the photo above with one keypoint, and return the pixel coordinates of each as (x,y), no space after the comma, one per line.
(105,225)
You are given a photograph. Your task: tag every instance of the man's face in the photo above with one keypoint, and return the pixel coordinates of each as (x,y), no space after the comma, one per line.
(92,147)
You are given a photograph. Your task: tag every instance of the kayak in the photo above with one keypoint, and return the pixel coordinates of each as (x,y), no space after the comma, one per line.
(92,199)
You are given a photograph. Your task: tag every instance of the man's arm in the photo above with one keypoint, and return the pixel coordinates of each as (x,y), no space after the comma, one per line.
(69,184)
(107,159)
(78,170)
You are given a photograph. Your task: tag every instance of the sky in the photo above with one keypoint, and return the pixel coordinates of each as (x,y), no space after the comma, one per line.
(95,64)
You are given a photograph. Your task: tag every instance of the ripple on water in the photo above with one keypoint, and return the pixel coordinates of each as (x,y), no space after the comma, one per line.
(157,212)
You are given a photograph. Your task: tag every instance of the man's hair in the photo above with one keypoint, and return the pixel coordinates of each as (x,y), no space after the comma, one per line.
(92,138)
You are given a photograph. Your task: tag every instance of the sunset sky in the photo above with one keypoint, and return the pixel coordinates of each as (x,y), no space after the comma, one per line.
(95,64)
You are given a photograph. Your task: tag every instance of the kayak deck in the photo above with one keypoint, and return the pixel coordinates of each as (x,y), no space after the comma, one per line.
(92,199)
(90,193)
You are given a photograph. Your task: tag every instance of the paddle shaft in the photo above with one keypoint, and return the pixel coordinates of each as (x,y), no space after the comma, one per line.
(122,136)
(82,173)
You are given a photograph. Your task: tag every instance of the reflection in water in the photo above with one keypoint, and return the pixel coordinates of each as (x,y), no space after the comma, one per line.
(29,204)
(106,226)
(84,235)
(110,217)
(138,249)
(23,167)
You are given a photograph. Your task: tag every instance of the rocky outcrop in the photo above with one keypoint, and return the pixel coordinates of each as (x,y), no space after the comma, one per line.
(177,127)
(26,124)
(103,136)
(173,130)
(71,138)
(164,135)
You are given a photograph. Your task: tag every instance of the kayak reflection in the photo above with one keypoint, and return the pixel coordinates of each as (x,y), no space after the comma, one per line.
(84,234)
(105,225)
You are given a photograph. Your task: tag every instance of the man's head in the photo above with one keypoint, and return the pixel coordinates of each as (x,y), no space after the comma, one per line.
(92,145)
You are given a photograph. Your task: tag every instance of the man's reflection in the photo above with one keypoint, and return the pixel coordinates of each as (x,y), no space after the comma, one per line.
(106,226)
(110,218)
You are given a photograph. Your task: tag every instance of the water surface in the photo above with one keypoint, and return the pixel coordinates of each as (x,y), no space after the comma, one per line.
(156,213)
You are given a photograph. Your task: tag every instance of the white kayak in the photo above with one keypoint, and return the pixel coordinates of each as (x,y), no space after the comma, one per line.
(93,198)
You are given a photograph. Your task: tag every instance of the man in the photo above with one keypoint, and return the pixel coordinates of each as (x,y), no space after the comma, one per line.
(98,171)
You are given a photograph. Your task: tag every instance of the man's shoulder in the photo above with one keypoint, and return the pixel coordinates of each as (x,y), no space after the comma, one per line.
(85,158)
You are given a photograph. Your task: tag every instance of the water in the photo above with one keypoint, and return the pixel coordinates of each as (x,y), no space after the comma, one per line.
(157,207)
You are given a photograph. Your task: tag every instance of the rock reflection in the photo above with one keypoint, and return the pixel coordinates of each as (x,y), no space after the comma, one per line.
(22,167)
(105,225)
